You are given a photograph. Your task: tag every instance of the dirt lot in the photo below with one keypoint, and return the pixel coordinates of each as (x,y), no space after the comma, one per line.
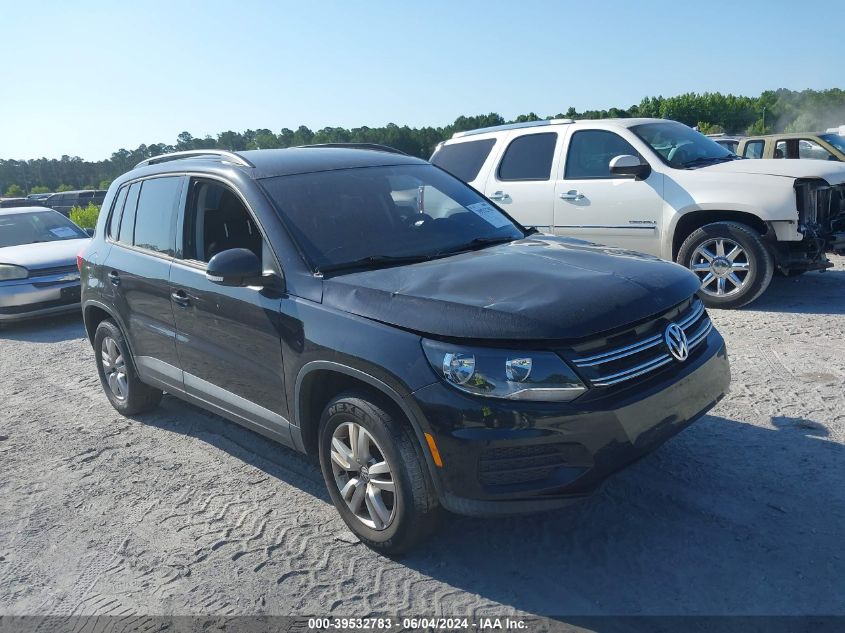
(181,512)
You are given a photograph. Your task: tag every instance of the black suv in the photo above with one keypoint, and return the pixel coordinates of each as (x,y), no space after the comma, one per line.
(65,201)
(369,309)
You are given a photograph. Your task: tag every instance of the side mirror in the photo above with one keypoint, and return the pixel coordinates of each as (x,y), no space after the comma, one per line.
(235,267)
(627,165)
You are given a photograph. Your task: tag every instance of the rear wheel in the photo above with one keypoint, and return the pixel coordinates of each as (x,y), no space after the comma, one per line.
(120,382)
(376,475)
(731,261)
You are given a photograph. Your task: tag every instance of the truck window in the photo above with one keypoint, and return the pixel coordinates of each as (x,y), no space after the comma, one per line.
(464,160)
(529,157)
(753,149)
(590,153)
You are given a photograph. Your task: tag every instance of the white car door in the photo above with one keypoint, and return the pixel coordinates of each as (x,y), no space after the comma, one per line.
(521,181)
(595,205)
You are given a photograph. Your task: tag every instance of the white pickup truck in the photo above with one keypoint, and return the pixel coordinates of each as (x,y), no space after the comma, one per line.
(660,187)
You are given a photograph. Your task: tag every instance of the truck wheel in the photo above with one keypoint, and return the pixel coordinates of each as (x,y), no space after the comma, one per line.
(730,259)
(127,394)
(376,474)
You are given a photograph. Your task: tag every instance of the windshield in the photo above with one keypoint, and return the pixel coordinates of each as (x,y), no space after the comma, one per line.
(680,146)
(834,139)
(31,227)
(367,216)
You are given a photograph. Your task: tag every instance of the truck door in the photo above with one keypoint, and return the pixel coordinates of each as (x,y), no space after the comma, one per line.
(592,204)
(522,182)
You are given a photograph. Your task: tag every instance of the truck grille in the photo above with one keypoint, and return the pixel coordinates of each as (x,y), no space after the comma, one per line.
(819,205)
(648,352)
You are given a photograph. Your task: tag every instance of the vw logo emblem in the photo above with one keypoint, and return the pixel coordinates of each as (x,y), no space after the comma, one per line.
(676,341)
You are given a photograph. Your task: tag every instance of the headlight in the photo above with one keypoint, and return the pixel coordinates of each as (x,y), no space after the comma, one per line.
(9,272)
(514,375)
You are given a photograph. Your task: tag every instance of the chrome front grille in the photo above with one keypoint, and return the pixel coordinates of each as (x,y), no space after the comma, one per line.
(621,363)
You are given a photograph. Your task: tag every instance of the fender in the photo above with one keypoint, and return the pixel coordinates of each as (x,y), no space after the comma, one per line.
(382,387)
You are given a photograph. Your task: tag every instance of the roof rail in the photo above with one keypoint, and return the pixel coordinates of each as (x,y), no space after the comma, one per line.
(512,126)
(231,157)
(372,146)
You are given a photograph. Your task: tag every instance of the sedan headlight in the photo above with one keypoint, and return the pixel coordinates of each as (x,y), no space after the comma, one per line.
(9,272)
(495,373)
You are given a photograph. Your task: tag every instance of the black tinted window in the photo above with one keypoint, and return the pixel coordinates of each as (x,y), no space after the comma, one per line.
(155,214)
(114,220)
(349,215)
(590,153)
(529,157)
(464,160)
(127,224)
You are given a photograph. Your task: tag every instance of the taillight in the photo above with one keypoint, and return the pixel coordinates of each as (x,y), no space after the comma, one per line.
(78,262)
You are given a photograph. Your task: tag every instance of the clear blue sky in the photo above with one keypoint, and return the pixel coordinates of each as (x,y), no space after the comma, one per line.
(86,78)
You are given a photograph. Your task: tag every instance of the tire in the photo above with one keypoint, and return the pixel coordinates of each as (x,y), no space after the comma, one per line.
(412,508)
(127,394)
(751,264)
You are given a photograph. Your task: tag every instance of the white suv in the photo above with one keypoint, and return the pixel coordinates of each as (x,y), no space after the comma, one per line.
(660,187)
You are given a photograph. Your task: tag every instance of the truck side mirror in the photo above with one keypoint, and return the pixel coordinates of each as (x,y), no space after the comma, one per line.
(627,165)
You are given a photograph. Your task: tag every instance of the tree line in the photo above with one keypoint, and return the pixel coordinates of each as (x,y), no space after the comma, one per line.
(773,111)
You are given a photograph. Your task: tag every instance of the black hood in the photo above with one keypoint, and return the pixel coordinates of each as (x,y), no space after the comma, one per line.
(535,288)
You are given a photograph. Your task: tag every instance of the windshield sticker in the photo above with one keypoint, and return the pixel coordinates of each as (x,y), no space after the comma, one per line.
(63,231)
(489,214)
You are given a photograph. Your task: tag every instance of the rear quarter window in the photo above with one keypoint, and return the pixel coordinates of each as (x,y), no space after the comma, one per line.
(464,160)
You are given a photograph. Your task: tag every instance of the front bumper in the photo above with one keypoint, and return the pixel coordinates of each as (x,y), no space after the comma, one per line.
(503,457)
(39,296)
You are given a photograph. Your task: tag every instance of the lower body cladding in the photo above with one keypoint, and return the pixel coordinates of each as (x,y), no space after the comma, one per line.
(506,457)
(38,297)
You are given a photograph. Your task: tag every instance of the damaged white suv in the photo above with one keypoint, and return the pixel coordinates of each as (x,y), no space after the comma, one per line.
(660,187)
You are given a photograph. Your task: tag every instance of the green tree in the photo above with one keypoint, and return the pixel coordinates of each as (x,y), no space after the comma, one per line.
(105,184)
(64,188)
(14,191)
(86,217)
(39,189)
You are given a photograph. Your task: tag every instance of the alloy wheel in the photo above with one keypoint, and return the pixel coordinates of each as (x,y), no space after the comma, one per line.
(114,368)
(722,265)
(363,476)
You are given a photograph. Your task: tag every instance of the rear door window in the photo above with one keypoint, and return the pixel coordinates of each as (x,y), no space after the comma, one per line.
(464,160)
(529,157)
(155,214)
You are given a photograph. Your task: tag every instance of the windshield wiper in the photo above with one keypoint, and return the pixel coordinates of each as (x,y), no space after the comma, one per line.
(478,242)
(707,160)
(374,261)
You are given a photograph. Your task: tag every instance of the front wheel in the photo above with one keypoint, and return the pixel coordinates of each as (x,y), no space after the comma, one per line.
(376,474)
(730,259)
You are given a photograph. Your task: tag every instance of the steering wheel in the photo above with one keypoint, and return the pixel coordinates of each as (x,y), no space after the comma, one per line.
(416,220)
(673,153)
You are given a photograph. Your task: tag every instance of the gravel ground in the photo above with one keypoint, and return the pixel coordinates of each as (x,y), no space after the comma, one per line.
(182,512)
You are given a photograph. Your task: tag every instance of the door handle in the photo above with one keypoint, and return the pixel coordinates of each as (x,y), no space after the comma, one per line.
(572,194)
(498,195)
(114,278)
(180,297)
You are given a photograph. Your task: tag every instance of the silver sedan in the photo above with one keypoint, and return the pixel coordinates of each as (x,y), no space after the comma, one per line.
(38,273)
